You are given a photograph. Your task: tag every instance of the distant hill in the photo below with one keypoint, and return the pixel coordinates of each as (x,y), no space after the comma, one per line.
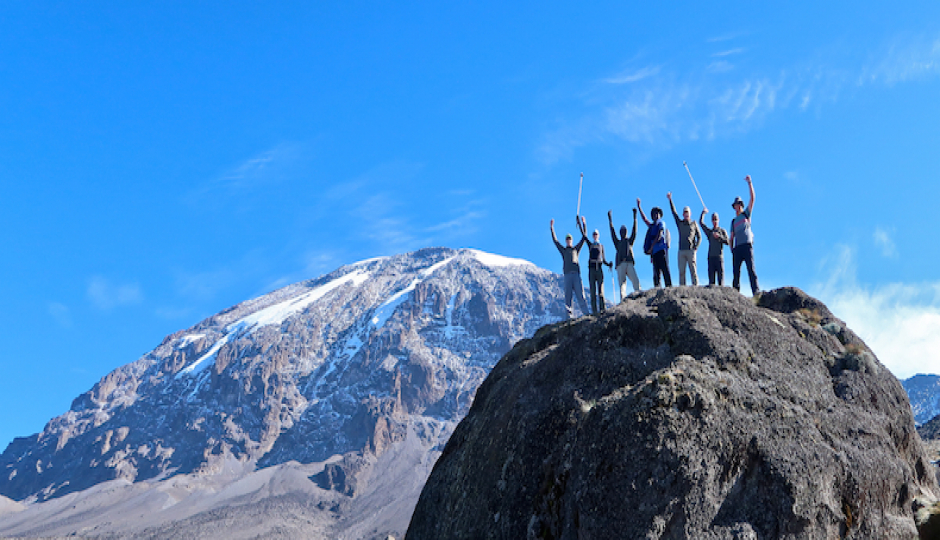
(924,394)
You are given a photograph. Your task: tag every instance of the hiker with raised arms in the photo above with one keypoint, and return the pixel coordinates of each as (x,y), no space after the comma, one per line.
(656,244)
(689,240)
(717,239)
(596,264)
(571,268)
(742,240)
(624,260)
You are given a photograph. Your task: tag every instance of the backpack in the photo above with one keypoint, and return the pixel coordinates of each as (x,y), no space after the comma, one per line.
(649,241)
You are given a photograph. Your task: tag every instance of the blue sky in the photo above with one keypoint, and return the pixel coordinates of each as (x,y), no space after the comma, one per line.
(163,161)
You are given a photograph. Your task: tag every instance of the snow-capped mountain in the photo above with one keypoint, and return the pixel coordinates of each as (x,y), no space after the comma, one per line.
(924,393)
(372,358)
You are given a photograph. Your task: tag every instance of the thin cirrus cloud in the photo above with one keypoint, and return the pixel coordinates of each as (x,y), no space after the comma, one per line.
(905,59)
(61,314)
(659,107)
(105,295)
(284,161)
(885,243)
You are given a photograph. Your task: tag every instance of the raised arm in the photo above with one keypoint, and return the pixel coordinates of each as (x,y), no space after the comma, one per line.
(642,214)
(554,238)
(673,208)
(633,234)
(750,188)
(701,222)
(610,219)
(582,226)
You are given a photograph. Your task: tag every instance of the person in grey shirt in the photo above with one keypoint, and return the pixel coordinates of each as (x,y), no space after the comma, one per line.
(624,259)
(571,268)
(689,240)
(717,239)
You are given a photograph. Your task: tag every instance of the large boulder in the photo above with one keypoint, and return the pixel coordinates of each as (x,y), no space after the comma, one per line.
(684,413)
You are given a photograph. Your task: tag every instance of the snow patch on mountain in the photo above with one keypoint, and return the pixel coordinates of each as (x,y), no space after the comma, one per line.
(206,359)
(278,313)
(186,341)
(386,310)
(271,315)
(496,261)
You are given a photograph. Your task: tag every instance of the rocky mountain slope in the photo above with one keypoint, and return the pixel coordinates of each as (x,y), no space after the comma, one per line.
(924,393)
(312,398)
(686,413)
(930,433)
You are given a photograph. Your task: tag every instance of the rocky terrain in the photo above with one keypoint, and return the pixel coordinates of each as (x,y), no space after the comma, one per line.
(686,413)
(924,393)
(930,433)
(321,406)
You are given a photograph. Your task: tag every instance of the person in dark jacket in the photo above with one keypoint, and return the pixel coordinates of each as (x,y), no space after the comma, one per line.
(717,239)
(742,241)
(659,240)
(571,269)
(624,261)
(596,264)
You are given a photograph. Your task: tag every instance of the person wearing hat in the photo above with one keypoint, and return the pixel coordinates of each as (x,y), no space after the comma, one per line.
(657,240)
(596,264)
(689,240)
(624,259)
(717,239)
(742,240)
(571,268)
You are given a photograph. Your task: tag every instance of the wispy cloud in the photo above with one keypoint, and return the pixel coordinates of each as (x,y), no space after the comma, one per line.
(258,171)
(659,107)
(106,295)
(633,75)
(729,52)
(904,59)
(898,321)
(885,243)
(61,314)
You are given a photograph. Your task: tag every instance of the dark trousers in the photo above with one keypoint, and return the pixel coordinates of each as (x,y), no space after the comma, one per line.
(744,254)
(596,284)
(716,271)
(661,266)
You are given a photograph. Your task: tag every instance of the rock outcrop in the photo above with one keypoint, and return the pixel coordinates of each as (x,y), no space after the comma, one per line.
(684,413)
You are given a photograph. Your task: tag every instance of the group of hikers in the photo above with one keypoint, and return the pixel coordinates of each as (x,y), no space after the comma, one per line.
(656,244)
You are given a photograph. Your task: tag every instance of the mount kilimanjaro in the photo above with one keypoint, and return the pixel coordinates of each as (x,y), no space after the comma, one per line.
(321,406)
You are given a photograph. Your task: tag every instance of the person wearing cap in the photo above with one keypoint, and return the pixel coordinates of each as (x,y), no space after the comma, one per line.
(717,239)
(742,240)
(571,269)
(689,240)
(596,264)
(624,257)
(658,238)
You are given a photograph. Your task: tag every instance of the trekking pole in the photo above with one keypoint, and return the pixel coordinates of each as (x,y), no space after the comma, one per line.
(580,184)
(693,184)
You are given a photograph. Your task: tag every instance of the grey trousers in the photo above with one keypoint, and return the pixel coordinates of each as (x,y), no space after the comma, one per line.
(574,287)
(687,258)
(626,270)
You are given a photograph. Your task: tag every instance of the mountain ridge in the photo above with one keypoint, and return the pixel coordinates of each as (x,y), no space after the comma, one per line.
(333,372)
